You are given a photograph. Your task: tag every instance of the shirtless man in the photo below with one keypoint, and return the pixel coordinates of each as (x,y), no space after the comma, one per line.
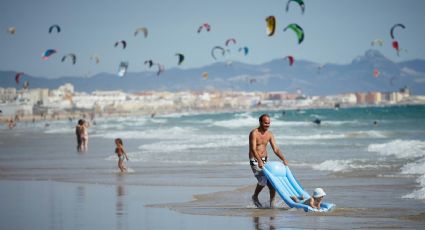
(258,140)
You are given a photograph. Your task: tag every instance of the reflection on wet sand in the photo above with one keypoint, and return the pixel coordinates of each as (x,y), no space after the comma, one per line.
(261,222)
(120,208)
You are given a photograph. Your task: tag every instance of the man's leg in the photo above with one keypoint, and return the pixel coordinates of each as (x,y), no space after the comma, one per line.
(272,194)
(255,196)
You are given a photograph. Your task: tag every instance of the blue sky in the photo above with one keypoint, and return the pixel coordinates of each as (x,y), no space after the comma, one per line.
(336,31)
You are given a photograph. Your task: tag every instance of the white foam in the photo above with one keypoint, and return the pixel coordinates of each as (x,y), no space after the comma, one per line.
(346,165)
(59,130)
(158,133)
(417,167)
(399,148)
(200,142)
(417,194)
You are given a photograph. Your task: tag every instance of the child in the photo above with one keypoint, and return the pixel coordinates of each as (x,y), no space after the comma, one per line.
(313,201)
(119,150)
(316,199)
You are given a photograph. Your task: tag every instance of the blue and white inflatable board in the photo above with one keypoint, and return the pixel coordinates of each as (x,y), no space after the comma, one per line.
(286,186)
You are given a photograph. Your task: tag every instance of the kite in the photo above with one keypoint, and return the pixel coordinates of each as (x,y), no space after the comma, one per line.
(57,27)
(46,55)
(223,51)
(300,2)
(70,55)
(290,59)
(395,26)
(149,62)
(298,31)
(206,26)
(122,69)
(230,40)
(181,58)
(205,75)
(122,42)
(18,77)
(244,49)
(271,25)
(141,29)
(11,30)
(379,42)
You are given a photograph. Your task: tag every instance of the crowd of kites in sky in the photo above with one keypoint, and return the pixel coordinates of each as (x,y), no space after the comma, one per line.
(217,52)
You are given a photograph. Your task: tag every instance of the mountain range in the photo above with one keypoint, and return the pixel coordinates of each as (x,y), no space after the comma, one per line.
(369,72)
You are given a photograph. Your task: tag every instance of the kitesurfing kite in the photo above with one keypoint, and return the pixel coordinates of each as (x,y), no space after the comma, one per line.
(244,49)
(181,58)
(230,40)
(206,26)
(290,59)
(46,55)
(217,48)
(379,42)
(57,27)
(96,58)
(122,69)
(376,73)
(18,77)
(298,31)
(150,63)
(393,28)
(70,55)
(141,29)
(205,75)
(270,25)
(122,42)
(11,30)
(300,3)
(161,69)
(396,47)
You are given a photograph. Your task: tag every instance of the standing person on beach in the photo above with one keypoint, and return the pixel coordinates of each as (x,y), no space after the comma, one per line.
(258,140)
(84,136)
(119,150)
(78,134)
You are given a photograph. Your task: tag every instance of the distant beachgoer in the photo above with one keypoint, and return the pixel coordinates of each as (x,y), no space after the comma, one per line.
(78,134)
(317,121)
(12,123)
(315,200)
(84,134)
(258,140)
(119,150)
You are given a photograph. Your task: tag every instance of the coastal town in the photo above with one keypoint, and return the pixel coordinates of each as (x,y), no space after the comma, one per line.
(64,102)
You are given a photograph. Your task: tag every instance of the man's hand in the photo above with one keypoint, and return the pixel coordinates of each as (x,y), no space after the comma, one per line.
(285,162)
(260,164)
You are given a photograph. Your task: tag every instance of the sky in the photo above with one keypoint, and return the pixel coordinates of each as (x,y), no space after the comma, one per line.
(336,31)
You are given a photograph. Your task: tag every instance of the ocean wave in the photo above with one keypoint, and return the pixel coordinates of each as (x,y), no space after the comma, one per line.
(346,165)
(59,130)
(200,142)
(399,148)
(415,168)
(159,133)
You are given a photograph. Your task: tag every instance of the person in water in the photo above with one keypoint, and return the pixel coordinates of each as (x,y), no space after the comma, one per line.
(258,140)
(119,150)
(314,201)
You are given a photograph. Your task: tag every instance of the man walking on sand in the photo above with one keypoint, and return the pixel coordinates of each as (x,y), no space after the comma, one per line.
(258,140)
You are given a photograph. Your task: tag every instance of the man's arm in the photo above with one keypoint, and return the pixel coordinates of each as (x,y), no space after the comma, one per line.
(276,149)
(253,148)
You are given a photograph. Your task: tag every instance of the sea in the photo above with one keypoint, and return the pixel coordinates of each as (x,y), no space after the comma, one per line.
(369,160)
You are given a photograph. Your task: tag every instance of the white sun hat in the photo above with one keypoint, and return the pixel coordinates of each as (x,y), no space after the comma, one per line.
(318,192)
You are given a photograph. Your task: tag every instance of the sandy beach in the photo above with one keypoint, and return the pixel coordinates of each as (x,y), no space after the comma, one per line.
(204,183)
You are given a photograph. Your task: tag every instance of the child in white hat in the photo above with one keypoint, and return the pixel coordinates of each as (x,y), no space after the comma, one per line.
(316,199)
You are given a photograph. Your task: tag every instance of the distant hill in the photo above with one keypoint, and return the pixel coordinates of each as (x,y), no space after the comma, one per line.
(309,77)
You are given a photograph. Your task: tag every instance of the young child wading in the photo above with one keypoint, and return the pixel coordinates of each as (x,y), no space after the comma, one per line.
(119,150)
